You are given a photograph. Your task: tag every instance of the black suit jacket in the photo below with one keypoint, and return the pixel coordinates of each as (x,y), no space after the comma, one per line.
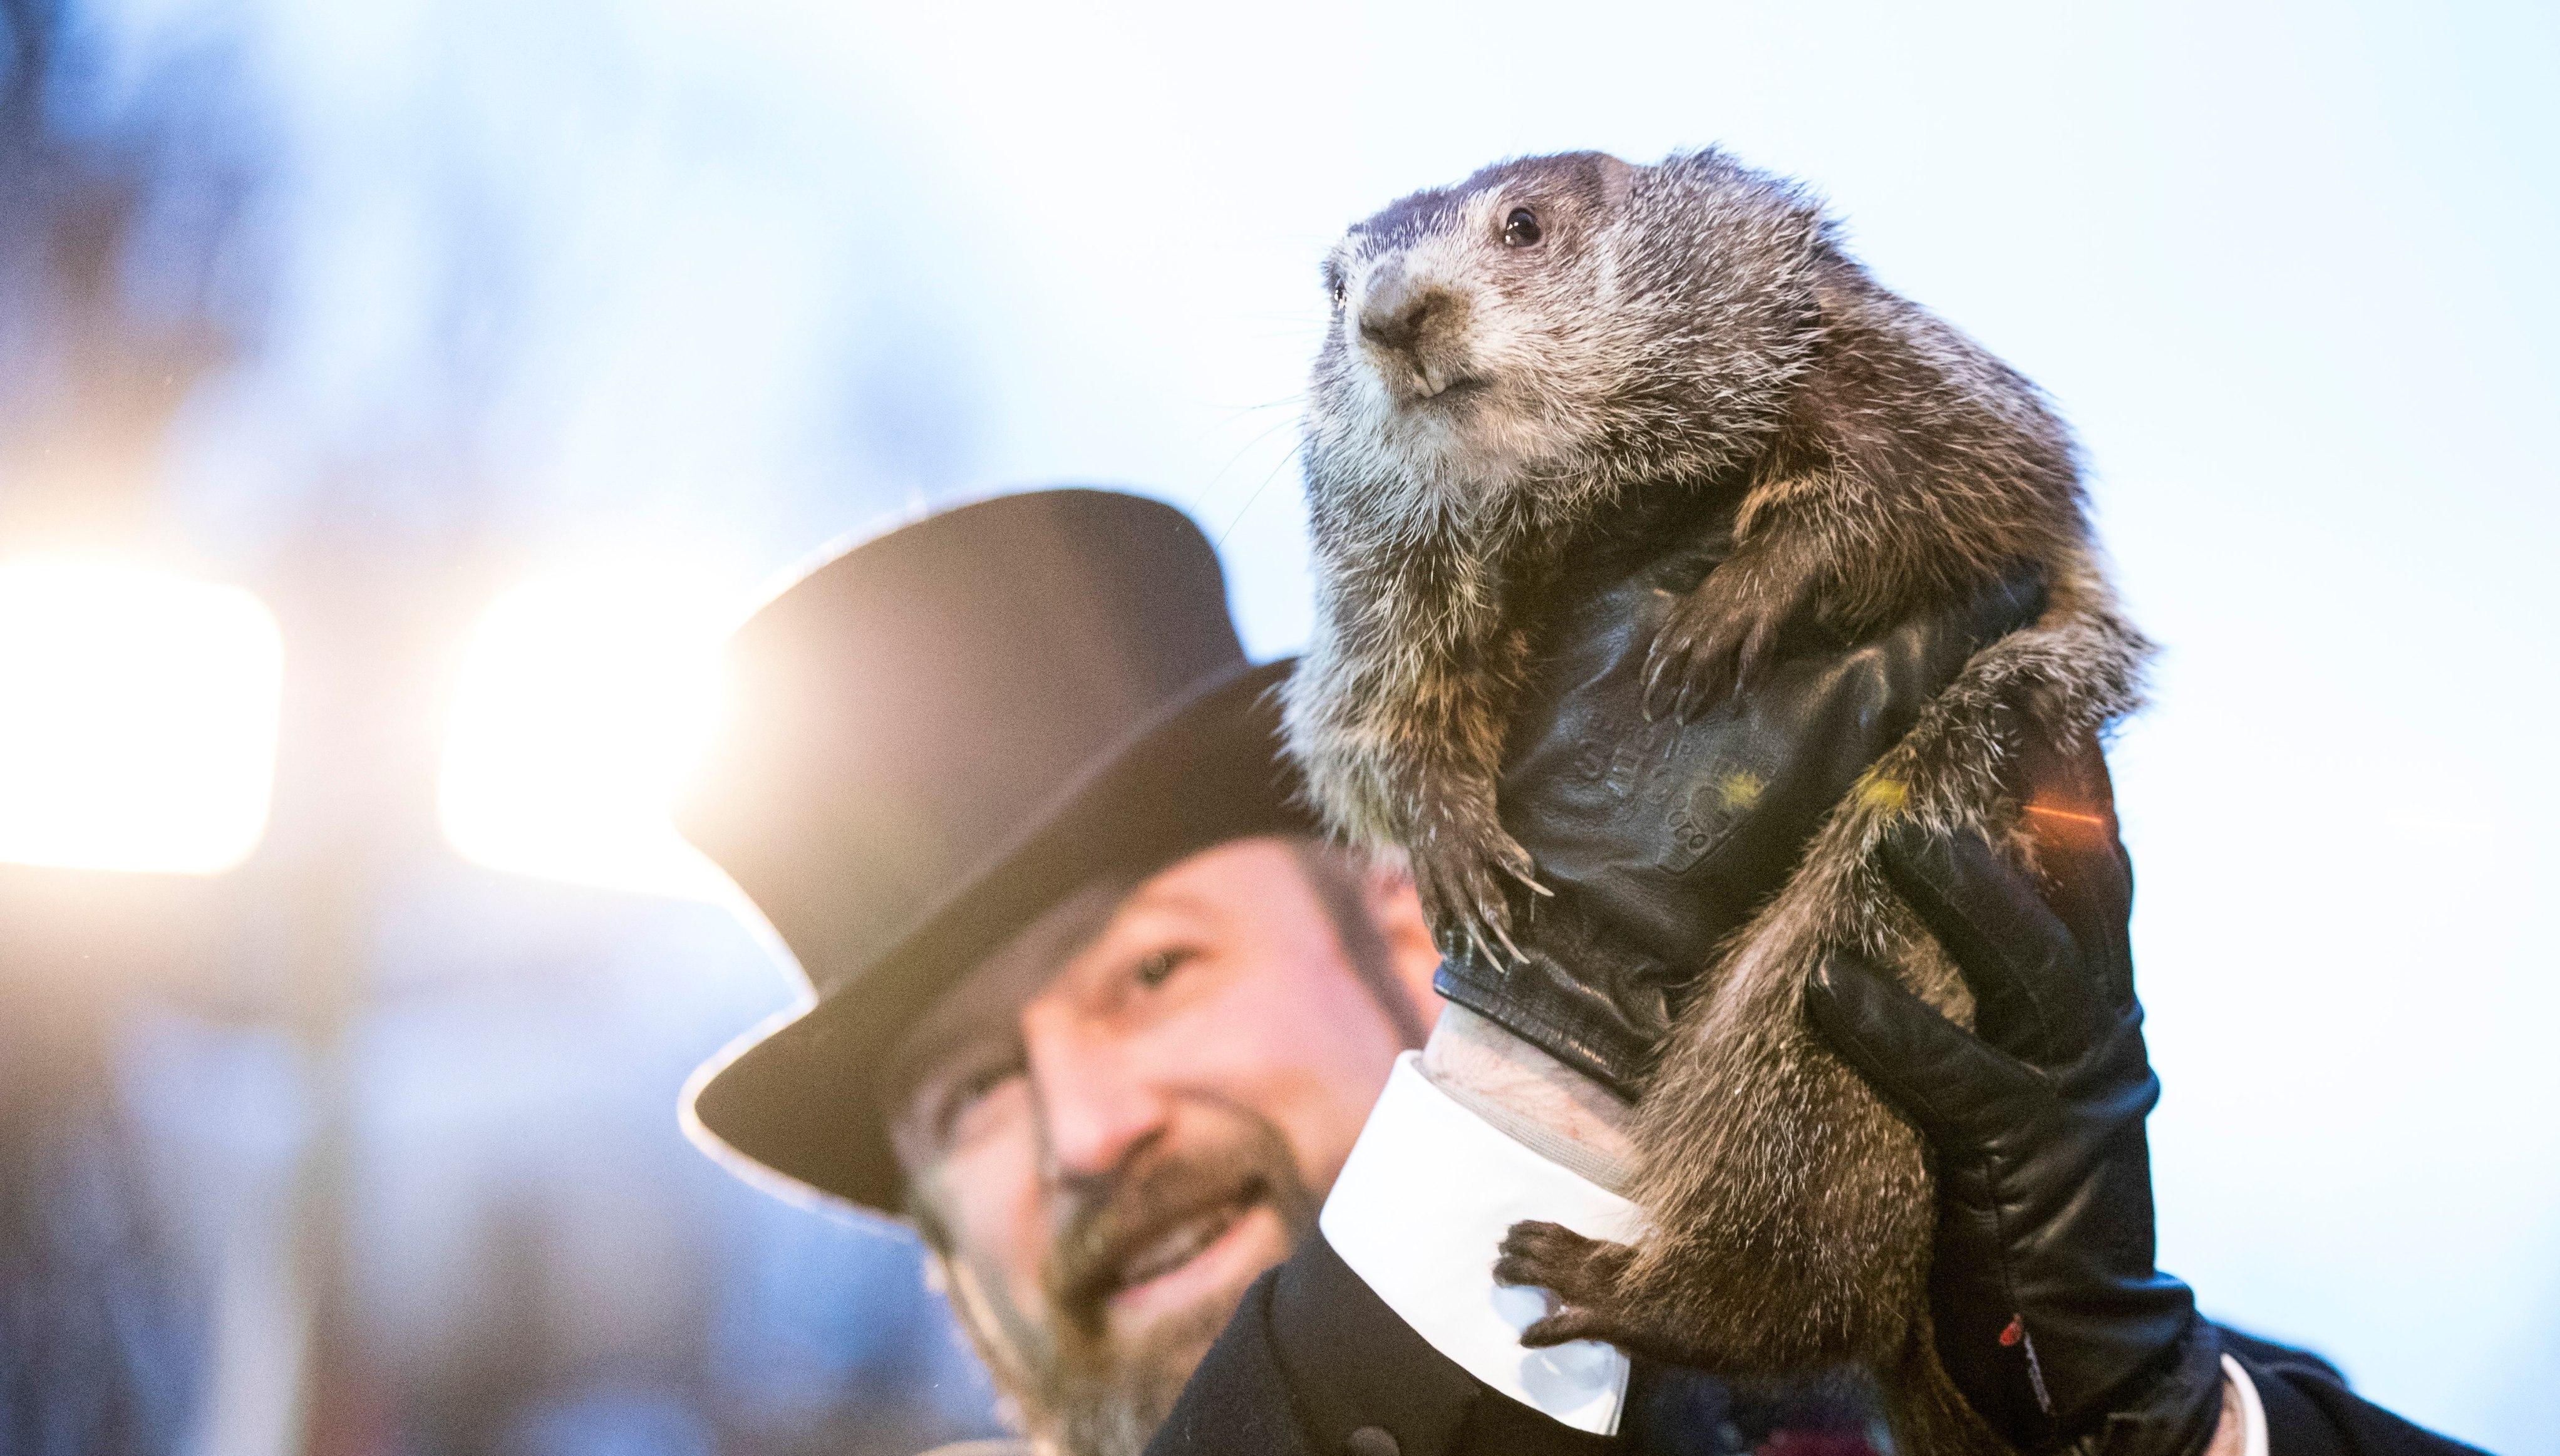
(1315,1363)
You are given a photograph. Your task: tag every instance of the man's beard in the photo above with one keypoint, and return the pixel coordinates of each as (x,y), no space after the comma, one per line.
(1079,1387)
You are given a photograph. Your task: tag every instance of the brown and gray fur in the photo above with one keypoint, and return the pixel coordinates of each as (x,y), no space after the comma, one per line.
(1486,407)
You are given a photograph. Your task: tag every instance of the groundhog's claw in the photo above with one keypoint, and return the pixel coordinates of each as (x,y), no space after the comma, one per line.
(1717,638)
(1708,647)
(1462,895)
(1580,1273)
(1590,1296)
(1460,857)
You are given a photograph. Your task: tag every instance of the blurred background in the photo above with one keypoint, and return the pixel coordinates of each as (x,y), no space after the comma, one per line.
(399,401)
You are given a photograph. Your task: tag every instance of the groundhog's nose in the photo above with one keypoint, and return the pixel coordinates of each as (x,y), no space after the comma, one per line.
(1400,313)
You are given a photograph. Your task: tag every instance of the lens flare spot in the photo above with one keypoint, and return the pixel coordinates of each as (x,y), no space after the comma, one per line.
(137,718)
(585,703)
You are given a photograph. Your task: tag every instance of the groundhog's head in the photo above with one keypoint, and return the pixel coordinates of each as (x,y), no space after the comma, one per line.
(1555,325)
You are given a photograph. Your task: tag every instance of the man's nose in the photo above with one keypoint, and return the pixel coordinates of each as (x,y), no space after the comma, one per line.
(1093,1112)
(1399,312)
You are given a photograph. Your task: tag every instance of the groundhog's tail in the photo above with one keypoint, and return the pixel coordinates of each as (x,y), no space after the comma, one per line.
(1929,1414)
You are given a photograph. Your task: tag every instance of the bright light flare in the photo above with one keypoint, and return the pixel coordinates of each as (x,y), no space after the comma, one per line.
(137,718)
(585,703)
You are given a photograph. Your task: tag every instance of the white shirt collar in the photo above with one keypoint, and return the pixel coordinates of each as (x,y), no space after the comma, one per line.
(1427,1195)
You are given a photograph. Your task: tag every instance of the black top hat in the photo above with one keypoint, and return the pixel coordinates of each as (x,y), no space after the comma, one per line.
(934,736)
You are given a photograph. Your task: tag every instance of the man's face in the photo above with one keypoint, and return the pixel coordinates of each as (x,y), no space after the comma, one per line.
(1120,1119)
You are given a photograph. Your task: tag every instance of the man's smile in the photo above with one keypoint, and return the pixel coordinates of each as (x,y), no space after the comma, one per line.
(1174,1245)
(1205,1251)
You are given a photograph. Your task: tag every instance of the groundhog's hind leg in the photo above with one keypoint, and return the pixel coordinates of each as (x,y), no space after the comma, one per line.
(1586,1277)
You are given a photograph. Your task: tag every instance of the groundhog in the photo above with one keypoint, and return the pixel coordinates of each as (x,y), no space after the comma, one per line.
(1517,368)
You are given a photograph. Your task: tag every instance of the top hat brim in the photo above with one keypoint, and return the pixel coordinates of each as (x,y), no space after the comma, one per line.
(799,1096)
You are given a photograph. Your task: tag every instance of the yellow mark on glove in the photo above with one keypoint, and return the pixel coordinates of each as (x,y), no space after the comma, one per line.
(1740,789)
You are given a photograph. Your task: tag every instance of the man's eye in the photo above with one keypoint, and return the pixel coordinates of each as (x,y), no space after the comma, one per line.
(1521,229)
(1159,968)
(970,1090)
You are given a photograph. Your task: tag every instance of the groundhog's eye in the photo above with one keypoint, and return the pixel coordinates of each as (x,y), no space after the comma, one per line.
(1521,229)
(1334,286)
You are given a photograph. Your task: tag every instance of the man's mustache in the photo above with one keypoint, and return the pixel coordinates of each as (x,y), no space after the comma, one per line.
(1114,1220)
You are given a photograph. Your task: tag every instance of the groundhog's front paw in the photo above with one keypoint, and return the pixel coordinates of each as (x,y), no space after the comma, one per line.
(1580,1273)
(1461,858)
(1716,639)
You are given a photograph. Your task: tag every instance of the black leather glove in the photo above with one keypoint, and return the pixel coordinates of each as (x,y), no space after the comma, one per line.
(2049,1313)
(1660,840)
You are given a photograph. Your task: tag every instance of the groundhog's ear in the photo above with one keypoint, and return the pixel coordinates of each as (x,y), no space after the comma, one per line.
(1617,179)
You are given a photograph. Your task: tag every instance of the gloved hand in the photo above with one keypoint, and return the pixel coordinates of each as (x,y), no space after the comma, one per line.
(2049,1313)
(1659,840)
